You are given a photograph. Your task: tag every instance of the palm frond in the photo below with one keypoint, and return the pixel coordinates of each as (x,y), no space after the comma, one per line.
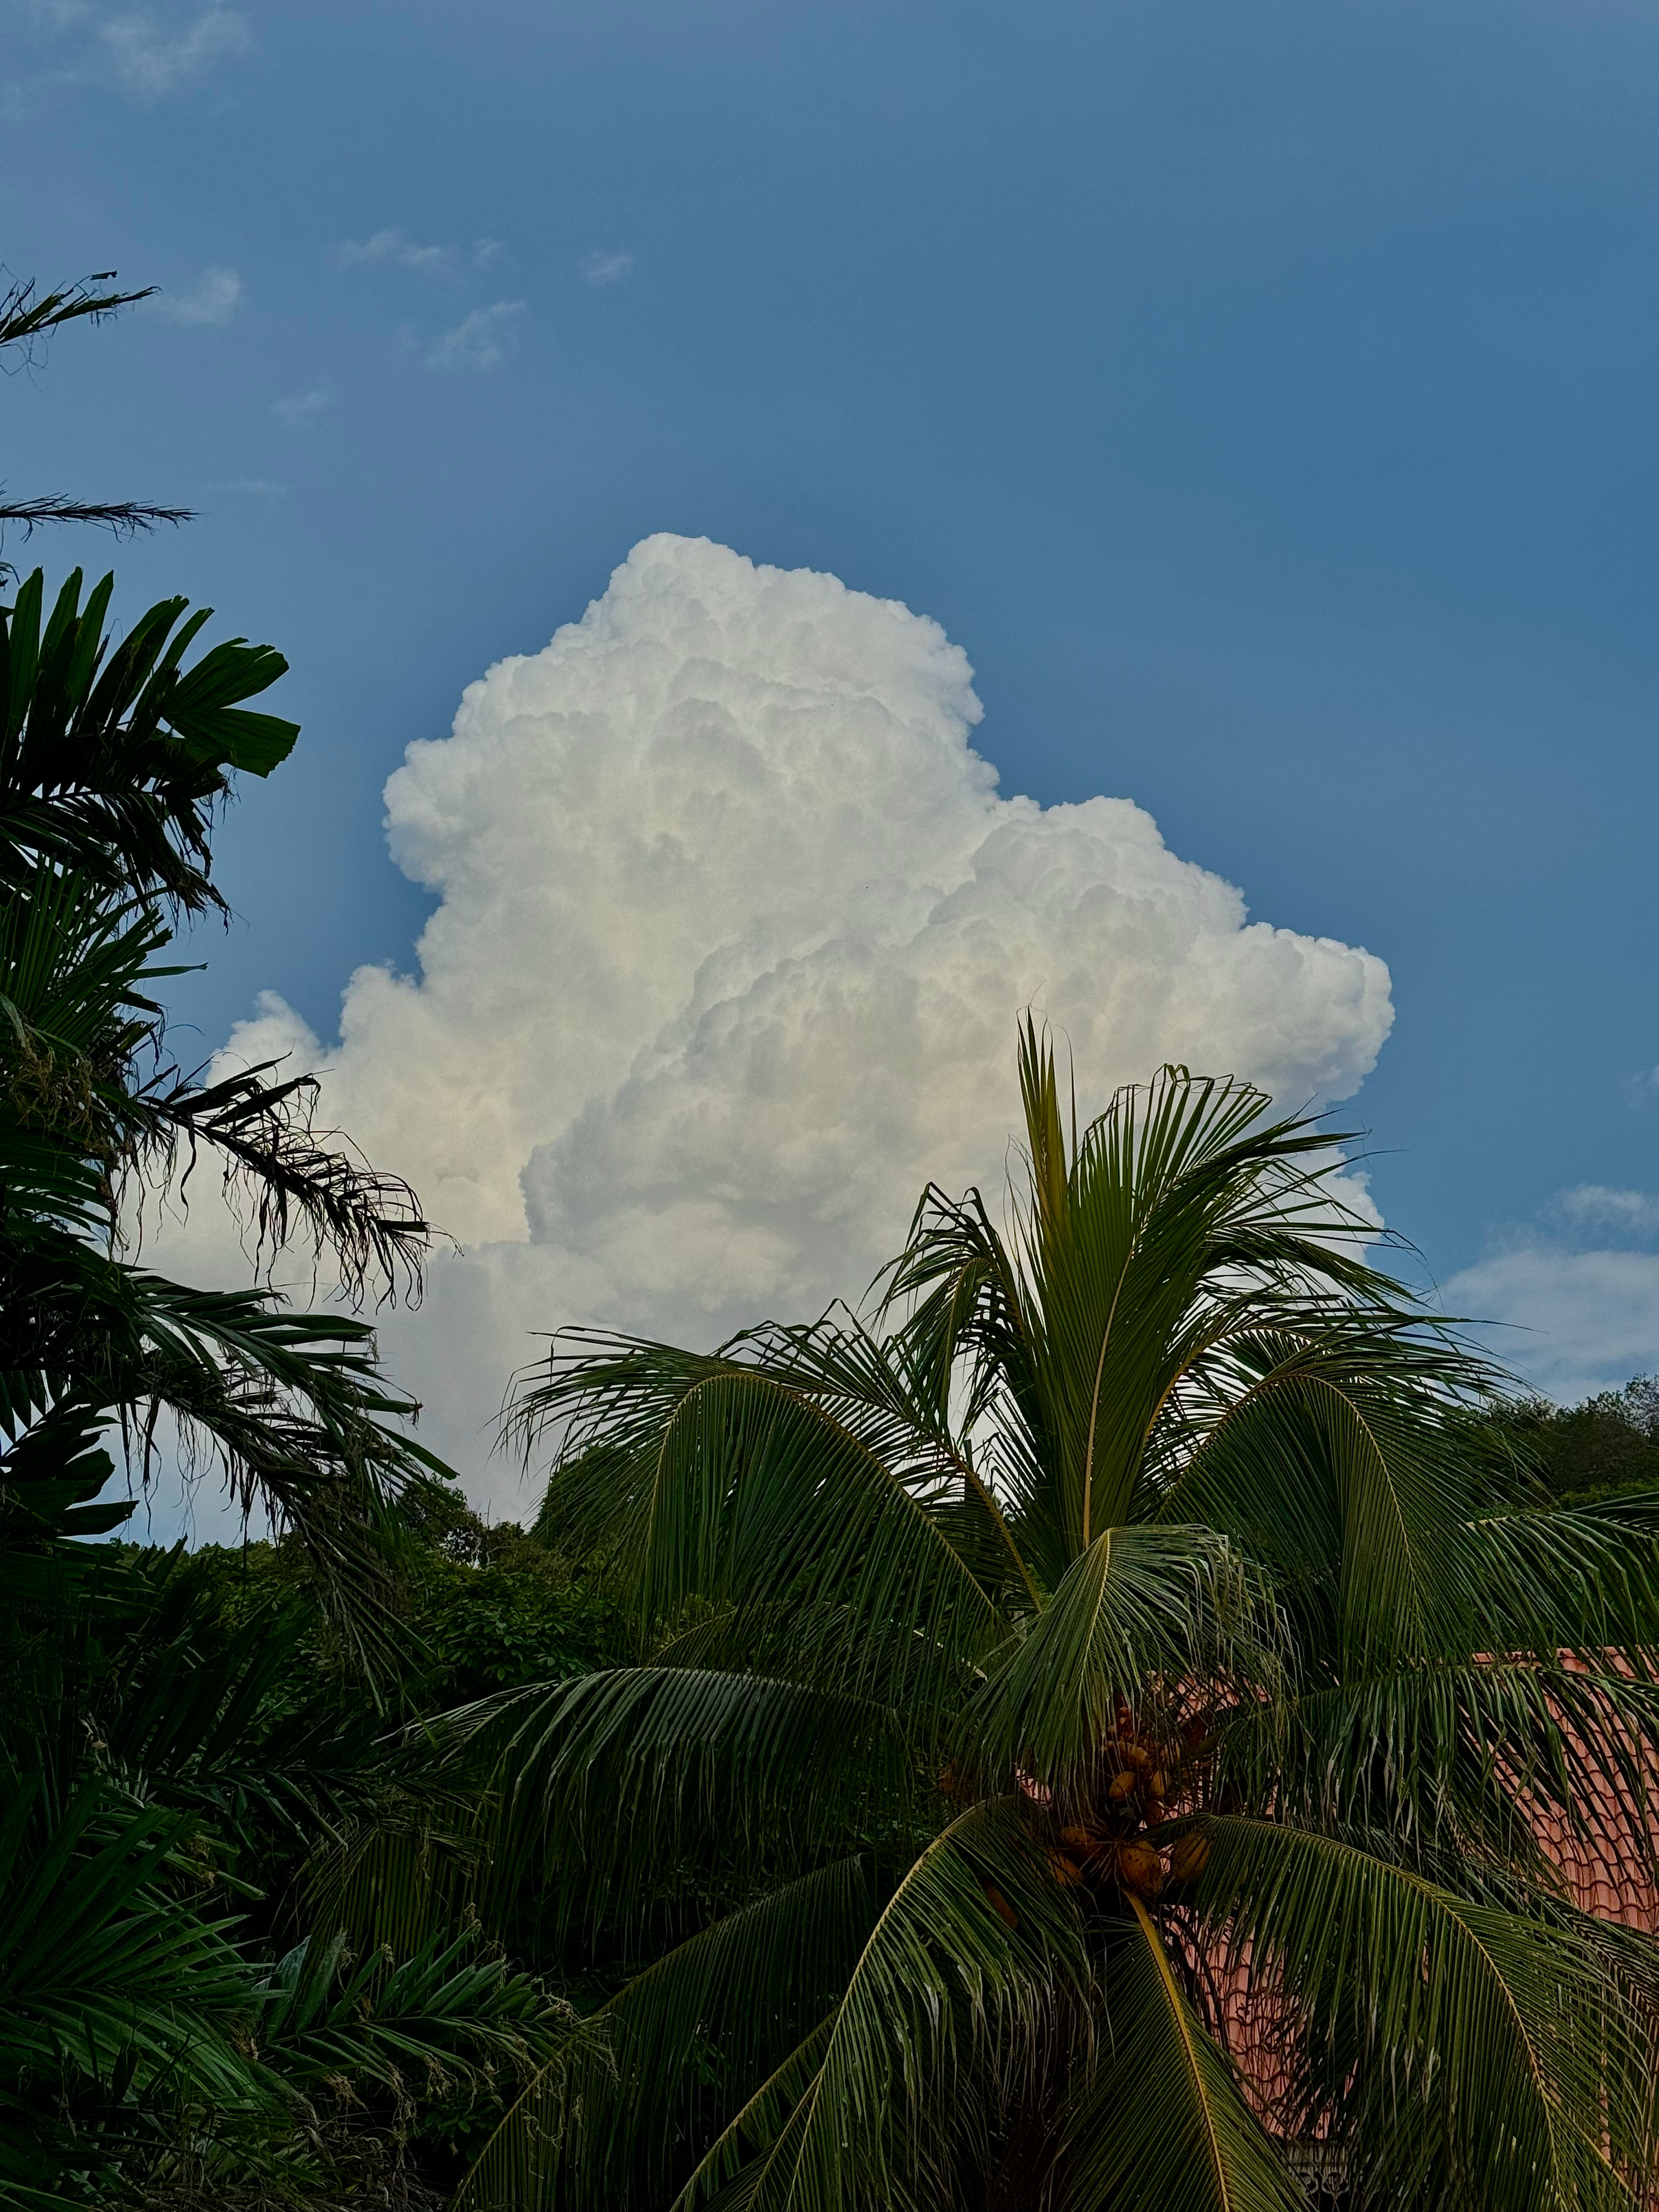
(1163,2125)
(596,1775)
(113,761)
(707,1480)
(1332,1452)
(1583,1579)
(1452,2048)
(976,1953)
(446,2018)
(699,2029)
(1141,1606)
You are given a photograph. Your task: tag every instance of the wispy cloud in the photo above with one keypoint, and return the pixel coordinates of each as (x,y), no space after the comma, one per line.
(606,268)
(147,51)
(305,406)
(482,341)
(1595,1205)
(486,252)
(1574,1294)
(152,57)
(212,299)
(395,249)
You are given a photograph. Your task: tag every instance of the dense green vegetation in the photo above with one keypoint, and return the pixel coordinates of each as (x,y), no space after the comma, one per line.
(1575,1455)
(190,2001)
(1088,1731)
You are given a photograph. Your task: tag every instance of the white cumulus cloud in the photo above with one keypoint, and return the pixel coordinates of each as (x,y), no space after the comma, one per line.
(1574,1298)
(1570,1322)
(734,928)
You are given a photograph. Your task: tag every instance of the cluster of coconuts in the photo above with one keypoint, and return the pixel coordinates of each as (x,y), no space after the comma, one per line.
(1107,1842)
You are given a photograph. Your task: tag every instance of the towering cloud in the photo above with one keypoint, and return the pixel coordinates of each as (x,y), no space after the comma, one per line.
(733,934)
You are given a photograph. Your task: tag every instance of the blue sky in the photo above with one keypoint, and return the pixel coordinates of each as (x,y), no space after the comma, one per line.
(1263,399)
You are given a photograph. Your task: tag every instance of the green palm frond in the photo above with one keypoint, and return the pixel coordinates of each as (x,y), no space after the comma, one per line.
(441,2020)
(1583,1579)
(600,1775)
(703,2025)
(291,1405)
(1140,1607)
(112,1986)
(113,761)
(976,1955)
(711,1481)
(1331,1450)
(1449,2045)
(185,1712)
(1163,2125)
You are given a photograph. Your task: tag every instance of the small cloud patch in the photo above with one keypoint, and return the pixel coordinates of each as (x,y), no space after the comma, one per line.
(264,488)
(305,406)
(482,341)
(207,303)
(395,249)
(1595,1206)
(606,268)
(152,57)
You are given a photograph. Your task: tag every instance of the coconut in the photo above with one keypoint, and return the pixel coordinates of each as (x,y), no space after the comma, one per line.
(1190,1856)
(1141,1868)
(999,1905)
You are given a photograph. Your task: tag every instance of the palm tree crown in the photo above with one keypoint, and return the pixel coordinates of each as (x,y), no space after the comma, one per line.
(1127,1708)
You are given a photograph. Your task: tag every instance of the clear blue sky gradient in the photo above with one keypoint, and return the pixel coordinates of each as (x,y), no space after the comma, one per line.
(1264,398)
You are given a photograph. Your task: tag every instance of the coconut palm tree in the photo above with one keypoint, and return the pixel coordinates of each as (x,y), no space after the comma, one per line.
(1124,1715)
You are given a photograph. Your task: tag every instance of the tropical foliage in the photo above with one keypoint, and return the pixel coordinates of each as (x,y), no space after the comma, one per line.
(1128,1718)
(1127,1686)
(28,316)
(186,2009)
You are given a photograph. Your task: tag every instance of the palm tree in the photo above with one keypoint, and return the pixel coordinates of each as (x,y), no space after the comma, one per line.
(1117,1708)
(147,1759)
(112,764)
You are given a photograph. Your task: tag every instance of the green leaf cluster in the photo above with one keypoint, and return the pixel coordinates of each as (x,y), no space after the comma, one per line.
(196,2006)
